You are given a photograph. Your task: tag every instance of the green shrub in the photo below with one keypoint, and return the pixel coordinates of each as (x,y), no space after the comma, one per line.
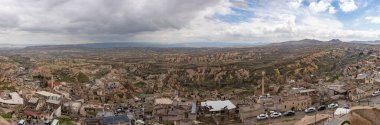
(7,115)
(65,121)
(140,84)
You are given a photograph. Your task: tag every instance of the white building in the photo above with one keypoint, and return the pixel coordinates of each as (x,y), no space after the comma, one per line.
(163,101)
(15,100)
(48,94)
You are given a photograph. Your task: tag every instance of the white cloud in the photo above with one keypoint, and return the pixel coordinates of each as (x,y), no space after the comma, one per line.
(347,5)
(279,24)
(320,6)
(332,10)
(295,4)
(373,19)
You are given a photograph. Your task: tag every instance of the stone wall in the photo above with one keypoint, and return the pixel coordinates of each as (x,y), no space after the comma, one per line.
(364,116)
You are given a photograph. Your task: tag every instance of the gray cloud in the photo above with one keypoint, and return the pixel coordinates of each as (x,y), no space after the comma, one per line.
(99,16)
(81,21)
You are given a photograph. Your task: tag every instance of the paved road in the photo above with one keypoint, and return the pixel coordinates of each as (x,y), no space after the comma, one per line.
(375,100)
(283,120)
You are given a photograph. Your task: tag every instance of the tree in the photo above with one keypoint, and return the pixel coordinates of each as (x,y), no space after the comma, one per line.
(43,80)
(82,78)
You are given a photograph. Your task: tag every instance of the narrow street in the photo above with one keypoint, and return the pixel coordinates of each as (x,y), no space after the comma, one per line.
(289,120)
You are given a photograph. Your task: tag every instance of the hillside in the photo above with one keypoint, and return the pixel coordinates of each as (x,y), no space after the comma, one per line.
(194,69)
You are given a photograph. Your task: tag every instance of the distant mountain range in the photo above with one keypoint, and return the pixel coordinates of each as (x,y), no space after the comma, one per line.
(183,45)
(151,45)
(11,46)
(306,42)
(367,42)
(161,45)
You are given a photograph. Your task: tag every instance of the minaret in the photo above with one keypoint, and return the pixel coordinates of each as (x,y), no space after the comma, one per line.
(52,81)
(263,83)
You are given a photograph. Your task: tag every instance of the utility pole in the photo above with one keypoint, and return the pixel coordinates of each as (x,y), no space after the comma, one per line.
(263,83)
(315,116)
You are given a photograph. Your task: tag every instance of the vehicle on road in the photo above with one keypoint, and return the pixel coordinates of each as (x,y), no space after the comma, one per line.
(346,106)
(275,114)
(364,101)
(120,110)
(376,93)
(322,107)
(289,113)
(21,122)
(262,117)
(55,122)
(333,105)
(310,110)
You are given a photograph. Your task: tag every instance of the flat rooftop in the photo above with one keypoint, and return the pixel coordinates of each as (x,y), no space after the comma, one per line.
(48,94)
(15,99)
(218,105)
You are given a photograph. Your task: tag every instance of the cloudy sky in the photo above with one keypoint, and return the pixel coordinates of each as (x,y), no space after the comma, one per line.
(179,21)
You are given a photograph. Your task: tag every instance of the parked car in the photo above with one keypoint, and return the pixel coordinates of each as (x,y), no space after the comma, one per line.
(21,122)
(55,122)
(376,93)
(363,101)
(262,117)
(346,106)
(310,110)
(47,122)
(120,110)
(289,113)
(322,107)
(275,114)
(333,105)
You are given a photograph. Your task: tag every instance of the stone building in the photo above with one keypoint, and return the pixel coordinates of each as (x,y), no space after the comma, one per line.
(295,102)
(250,111)
(363,78)
(223,112)
(361,92)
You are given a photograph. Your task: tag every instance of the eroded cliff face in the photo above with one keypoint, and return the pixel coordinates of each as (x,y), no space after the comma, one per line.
(210,58)
(9,70)
(215,74)
(151,69)
(234,69)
